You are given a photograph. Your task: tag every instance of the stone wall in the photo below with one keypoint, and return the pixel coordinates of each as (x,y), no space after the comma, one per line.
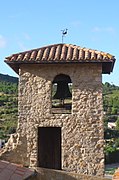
(48,174)
(14,150)
(82,130)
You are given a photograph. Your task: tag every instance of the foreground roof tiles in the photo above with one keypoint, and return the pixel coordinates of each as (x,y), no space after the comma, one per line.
(10,171)
(60,53)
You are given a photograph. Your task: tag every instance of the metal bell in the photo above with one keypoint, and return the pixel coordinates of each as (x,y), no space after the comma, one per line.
(62,91)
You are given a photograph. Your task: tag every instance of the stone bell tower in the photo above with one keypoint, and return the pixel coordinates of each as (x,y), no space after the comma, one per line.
(60,122)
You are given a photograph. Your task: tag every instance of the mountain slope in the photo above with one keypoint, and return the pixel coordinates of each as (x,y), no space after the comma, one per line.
(7,78)
(8,105)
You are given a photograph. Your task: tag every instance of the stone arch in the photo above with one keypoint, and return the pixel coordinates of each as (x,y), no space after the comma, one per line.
(62,94)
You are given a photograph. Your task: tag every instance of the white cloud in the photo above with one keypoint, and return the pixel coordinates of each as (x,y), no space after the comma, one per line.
(22,46)
(22,41)
(3,42)
(75,23)
(96,29)
(14,16)
(110,29)
(103,29)
(26,36)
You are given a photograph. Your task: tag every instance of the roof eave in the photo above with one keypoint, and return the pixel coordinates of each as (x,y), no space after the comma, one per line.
(107,67)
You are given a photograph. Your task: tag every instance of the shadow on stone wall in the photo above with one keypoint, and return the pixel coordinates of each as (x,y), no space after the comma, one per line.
(50,174)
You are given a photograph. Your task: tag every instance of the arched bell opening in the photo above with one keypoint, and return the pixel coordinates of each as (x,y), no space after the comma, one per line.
(61,94)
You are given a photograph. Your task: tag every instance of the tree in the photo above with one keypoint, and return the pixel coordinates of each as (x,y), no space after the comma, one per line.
(117,124)
(114,110)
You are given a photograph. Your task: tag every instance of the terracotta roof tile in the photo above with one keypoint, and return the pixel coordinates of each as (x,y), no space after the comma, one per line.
(13,171)
(60,53)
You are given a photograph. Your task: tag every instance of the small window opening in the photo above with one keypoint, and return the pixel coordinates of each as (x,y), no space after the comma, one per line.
(61,94)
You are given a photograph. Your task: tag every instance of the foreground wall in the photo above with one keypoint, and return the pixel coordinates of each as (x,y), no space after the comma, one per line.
(82,130)
(48,174)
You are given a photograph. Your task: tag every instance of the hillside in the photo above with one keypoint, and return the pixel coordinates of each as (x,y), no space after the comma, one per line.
(7,78)
(8,105)
(111,99)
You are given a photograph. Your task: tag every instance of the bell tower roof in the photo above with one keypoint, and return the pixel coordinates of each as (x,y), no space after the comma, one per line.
(62,54)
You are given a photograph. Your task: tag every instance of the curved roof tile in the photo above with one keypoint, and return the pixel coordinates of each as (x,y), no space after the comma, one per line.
(61,53)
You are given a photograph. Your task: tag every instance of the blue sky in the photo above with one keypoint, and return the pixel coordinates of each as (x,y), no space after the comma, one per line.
(28,24)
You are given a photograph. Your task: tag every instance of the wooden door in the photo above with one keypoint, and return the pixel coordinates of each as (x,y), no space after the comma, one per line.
(49,147)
